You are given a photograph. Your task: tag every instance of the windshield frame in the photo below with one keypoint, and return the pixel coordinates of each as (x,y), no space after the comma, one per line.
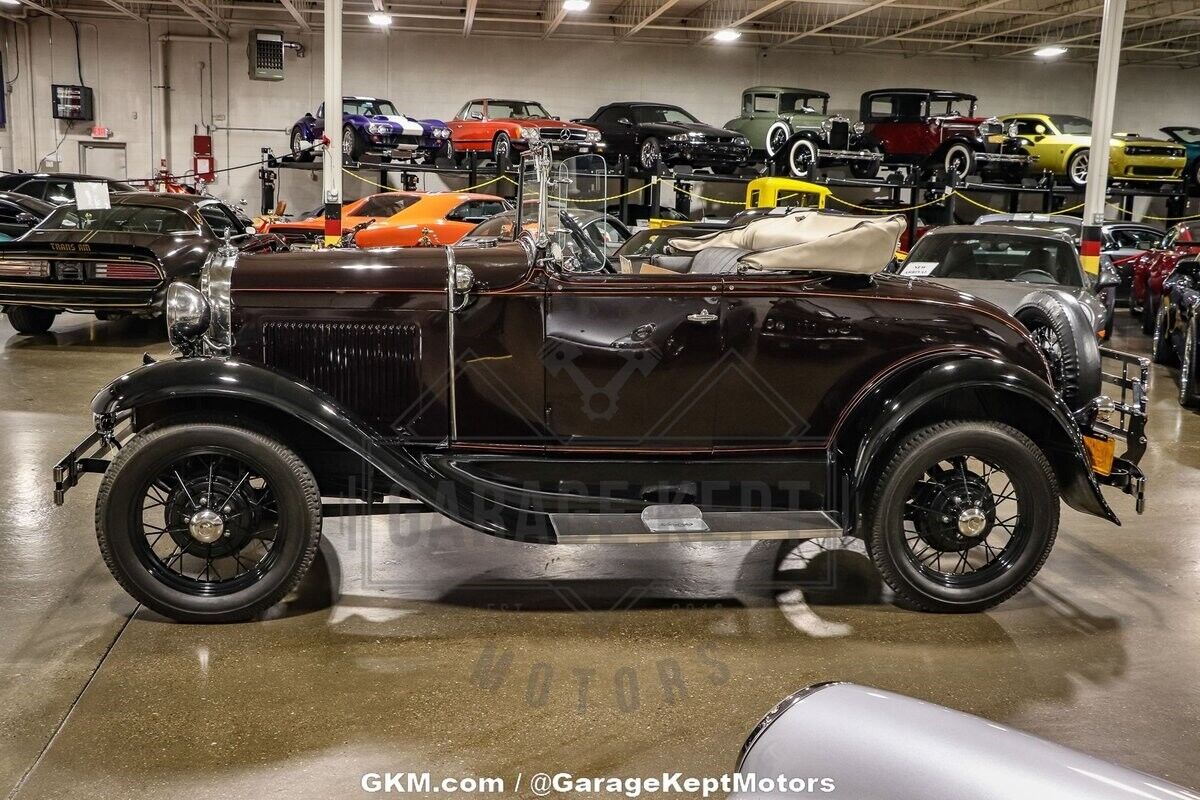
(50,223)
(1078,278)
(375,103)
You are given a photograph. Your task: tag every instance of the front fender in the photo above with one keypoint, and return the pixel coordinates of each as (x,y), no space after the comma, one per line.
(893,406)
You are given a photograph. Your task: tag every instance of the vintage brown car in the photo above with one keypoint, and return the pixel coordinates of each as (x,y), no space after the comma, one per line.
(537,391)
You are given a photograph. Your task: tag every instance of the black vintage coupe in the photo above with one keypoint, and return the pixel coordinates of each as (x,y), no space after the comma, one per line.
(650,133)
(117,261)
(55,187)
(762,382)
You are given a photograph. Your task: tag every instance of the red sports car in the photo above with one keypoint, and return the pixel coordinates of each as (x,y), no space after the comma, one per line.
(1152,268)
(499,128)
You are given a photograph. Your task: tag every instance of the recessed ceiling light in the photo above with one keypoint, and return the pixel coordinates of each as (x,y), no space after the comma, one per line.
(576,5)
(379,18)
(1050,51)
(727,35)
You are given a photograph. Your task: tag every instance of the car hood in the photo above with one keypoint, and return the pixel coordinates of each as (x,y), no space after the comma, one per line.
(669,128)
(1011,295)
(541,123)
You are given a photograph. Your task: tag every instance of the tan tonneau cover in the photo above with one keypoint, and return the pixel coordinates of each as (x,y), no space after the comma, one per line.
(811,240)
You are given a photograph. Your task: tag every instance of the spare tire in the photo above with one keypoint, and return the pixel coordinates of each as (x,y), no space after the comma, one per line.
(1061,330)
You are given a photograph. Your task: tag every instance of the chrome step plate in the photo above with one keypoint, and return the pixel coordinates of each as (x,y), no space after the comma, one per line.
(685,523)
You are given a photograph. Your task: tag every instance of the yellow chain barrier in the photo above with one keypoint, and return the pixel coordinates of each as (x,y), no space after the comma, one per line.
(394,189)
(1156,219)
(698,196)
(877,210)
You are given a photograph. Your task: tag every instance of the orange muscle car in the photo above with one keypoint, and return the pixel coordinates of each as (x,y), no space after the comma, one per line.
(402,219)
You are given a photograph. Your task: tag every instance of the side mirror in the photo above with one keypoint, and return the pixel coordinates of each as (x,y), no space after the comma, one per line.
(25,218)
(625,121)
(1107,279)
(477,116)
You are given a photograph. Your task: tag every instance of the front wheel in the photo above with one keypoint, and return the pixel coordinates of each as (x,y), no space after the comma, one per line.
(352,147)
(1162,351)
(777,136)
(1188,397)
(959,160)
(208,521)
(867,169)
(30,320)
(963,516)
(502,149)
(802,159)
(649,154)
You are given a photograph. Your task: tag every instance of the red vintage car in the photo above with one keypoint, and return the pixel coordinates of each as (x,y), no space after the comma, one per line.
(500,128)
(938,129)
(1152,268)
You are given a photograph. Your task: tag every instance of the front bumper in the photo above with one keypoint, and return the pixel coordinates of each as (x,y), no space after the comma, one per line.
(704,154)
(81,296)
(1146,168)
(850,155)
(90,455)
(1128,423)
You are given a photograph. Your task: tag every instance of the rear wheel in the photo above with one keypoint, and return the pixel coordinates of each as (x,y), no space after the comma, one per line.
(207,522)
(1149,312)
(958,160)
(1069,346)
(30,320)
(963,516)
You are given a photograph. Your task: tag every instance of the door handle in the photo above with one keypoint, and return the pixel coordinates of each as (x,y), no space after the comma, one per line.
(703,317)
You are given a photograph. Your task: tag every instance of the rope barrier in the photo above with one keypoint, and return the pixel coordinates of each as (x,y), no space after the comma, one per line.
(1156,219)
(933,202)
(394,189)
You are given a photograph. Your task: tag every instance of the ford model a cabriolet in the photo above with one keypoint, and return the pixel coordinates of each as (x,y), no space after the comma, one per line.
(764,381)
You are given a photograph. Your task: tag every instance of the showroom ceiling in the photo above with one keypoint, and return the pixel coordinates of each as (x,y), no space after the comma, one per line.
(1162,32)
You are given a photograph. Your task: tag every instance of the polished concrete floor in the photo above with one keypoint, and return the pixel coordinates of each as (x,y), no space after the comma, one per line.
(417,645)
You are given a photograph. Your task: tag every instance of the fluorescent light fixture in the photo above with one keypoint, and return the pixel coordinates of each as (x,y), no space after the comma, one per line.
(727,35)
(1050,51)
(10,2)
(576,5)
(380,19)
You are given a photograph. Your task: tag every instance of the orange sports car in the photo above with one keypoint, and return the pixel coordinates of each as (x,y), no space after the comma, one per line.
(402,219)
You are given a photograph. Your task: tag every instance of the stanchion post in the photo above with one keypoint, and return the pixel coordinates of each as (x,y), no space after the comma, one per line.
(623,167)
(656,191)
(331,163)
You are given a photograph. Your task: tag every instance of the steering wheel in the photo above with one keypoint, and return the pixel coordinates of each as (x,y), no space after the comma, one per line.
(1030,274)
(596,256)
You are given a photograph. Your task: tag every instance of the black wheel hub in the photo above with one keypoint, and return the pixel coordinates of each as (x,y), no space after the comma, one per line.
(234,505)
(958,513)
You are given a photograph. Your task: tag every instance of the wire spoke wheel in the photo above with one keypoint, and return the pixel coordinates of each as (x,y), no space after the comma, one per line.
(1047,341)
(963,522)
(207,523)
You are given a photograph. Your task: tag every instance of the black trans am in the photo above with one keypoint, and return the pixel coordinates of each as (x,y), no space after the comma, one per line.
(117,261)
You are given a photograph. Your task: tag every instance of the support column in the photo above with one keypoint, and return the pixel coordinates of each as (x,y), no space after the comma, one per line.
(1103,101)
(331,159)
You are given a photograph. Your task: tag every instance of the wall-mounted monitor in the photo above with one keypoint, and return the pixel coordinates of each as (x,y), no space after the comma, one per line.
(71,102)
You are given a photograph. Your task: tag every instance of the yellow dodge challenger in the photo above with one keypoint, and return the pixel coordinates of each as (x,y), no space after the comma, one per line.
(1062,144)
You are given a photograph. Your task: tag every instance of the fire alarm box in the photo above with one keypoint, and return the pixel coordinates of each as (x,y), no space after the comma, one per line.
(71,102)
(266,55)
(204,166)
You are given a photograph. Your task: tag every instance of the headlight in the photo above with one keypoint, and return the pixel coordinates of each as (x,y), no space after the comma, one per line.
(528,134)
(443,133)
(741,140)
(826,125)
(859,128)
(593,136)
(679,137)
(188,314)
(379,127)
(1013,130)
(215,282)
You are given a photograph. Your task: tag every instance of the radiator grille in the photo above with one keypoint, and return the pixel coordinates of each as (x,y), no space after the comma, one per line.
(369,368)
(839,134)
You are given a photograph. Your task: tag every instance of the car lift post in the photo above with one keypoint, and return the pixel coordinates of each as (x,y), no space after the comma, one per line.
(331,163)
(1108,63)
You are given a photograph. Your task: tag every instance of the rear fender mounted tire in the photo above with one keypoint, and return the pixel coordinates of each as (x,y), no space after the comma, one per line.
(1061,330)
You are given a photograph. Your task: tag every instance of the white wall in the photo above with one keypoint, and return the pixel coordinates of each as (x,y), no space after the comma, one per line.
(431,76)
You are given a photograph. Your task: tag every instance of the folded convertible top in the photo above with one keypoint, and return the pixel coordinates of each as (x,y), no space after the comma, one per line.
(809,240)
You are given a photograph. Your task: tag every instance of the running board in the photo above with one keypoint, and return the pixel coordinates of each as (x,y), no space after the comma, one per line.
(687,523)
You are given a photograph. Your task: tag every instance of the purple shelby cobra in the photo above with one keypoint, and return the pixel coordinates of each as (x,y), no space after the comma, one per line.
(371,125)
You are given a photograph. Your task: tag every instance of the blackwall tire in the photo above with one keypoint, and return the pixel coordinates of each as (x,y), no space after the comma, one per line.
(502,148)
(1052,324)
(1149,312)
(352,146)
(124,540)
(1077,168)
(1188,396)
(298,151)
(30,320)
(867,170)
(1161,349)
(889,514)
(649,154)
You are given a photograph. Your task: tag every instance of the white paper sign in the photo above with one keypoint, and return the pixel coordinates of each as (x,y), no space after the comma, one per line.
(91,196)
(918,269)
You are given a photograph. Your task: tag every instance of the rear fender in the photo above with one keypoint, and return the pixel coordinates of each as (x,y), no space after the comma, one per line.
(969,387)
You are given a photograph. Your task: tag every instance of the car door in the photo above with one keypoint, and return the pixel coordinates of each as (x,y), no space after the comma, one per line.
(617,130)
(629,360)
(14,220)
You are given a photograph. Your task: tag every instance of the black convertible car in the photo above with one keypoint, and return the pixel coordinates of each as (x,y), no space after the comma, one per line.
(652,132)
(116,261)
(1175,328)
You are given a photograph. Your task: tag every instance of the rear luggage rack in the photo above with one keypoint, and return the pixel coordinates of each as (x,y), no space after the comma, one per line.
(1127,420)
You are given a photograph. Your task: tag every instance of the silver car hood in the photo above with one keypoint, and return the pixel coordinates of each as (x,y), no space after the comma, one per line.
(1010,295)
(876,745)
